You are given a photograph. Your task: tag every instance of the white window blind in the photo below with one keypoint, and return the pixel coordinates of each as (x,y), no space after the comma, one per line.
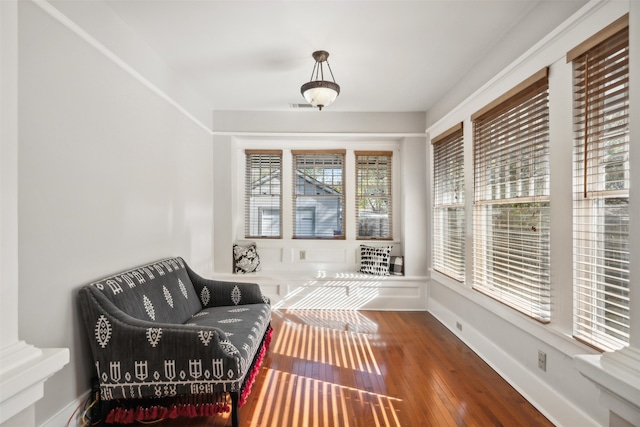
(318,194)
(263,195)
(373,195)
(511,192)
(601,189)
(448,203)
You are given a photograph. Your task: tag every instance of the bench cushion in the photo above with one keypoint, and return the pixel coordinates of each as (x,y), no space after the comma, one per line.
(244,327)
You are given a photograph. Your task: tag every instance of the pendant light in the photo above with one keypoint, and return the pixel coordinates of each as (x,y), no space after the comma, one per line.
(318,91)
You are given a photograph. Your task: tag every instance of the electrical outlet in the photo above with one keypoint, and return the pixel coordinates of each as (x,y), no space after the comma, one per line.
(459,326)
(303,255)
(542,360)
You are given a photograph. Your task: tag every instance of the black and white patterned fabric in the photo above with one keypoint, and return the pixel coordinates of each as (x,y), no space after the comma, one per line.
(161,331)
(160,292)
(243,326)
(245,258)
(375,260)
(396,265)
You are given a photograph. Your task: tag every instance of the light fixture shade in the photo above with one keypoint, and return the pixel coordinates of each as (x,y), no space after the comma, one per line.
(320,93)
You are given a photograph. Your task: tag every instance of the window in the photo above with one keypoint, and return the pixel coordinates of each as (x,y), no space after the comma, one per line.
(448,203)
(263,199)
(373,194)
(318,194)
(601,188)
(511,192)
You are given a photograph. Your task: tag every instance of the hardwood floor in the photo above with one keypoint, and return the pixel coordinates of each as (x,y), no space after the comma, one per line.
(355,369)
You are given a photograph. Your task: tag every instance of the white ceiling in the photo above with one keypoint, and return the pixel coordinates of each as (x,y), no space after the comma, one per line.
(387,56)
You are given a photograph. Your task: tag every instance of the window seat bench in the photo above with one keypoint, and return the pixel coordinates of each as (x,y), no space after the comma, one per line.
(337,290)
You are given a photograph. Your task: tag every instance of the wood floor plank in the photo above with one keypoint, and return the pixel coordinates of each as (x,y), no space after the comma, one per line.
(361,369)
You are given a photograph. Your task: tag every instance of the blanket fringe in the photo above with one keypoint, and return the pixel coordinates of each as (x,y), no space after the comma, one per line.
(255,368)
(132,415)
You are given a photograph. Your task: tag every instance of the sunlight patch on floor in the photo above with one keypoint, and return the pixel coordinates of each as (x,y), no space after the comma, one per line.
(343,349)
(289,399)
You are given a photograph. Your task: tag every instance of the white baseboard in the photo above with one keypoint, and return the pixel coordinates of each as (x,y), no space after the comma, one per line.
(61,418)
(556,407)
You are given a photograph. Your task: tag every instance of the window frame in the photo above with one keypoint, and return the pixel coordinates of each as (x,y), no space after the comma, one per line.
(363,166)
(339,233)
(601,298)
(268,158)
(511,157)
(448,244)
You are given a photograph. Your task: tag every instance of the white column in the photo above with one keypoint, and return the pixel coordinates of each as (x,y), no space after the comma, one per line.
(617,374)
(8,174)
(634,114)
(23,367)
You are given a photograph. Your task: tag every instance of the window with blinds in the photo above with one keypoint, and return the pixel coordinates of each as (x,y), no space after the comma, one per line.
(511,195)
(448,203)
(373,195)
(601,188)
(263,194)
(318,194)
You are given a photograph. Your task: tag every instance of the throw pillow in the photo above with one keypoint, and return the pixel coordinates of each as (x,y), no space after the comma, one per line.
(245,258)
(375,260)
(396,265)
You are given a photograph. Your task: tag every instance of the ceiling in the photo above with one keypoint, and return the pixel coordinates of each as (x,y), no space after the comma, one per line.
(387,56)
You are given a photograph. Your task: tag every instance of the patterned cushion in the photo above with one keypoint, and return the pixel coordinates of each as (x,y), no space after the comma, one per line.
(396,265)
(245,258)
(244,326)
(375,260)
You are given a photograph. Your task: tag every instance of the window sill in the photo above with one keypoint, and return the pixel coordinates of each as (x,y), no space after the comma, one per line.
(617,376)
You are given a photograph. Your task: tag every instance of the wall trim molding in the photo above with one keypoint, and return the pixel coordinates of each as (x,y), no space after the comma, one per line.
(246,134)
(617,378)
(22,377)
(109,54)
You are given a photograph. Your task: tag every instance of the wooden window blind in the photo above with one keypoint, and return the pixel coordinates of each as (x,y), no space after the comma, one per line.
(601,190)
(263,194)
(511,195)
(318,194)
(373,195)
(448,203)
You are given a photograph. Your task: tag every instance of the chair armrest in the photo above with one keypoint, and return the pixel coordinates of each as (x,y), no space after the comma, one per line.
(215,293)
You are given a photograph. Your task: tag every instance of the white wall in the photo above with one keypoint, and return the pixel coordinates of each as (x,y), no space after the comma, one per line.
(540,21)
(111,175)
(98,19)
(414,206)
(289,280)
(399,132)
(508,341)
(314,121)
